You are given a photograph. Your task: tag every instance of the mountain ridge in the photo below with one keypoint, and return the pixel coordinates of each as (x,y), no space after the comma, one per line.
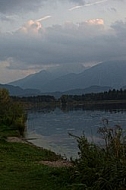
(111,73)
(17,91)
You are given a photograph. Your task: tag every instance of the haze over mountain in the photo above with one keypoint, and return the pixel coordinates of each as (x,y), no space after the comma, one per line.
(111,74)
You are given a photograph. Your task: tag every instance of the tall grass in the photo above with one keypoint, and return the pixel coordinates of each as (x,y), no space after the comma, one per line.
(102,168)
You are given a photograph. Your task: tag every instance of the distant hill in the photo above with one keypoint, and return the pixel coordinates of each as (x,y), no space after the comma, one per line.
(91,89)
(111,74)
(17,91)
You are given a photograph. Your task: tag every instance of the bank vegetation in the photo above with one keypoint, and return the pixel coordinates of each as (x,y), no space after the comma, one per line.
(98,167)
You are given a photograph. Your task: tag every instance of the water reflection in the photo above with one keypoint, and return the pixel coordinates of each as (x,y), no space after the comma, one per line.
(116,107)
(50,127)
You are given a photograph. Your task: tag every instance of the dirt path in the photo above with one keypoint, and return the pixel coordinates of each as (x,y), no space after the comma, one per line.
(58,163)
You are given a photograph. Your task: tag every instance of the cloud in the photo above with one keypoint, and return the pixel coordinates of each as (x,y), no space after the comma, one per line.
(43,18)
(83,3)
(31,27)
(113,9)
(96,21)
(79,2)
(95,3)
(87,41)
(75,7)
(12,74)
(19,5)
(7,18)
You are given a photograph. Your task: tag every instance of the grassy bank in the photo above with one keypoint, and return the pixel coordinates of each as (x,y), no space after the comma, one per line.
(21,167)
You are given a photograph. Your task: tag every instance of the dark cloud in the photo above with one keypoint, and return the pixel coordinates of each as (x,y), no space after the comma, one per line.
(113,9)
(32,5)
(12,6)
(70,43)
(19,5)
(120,28)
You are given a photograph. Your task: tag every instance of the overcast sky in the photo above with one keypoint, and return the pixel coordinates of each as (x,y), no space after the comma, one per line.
(36,35)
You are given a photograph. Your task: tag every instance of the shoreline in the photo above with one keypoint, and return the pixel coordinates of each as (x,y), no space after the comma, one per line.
(43,142)
(61,162)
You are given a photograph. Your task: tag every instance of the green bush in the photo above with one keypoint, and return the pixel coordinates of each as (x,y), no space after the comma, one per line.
(12,113)
(102,167)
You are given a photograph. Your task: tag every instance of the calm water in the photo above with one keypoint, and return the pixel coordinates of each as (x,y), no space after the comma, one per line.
(50,128)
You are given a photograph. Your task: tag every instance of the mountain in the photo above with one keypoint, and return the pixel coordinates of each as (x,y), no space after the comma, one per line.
(112,74)
(40,79)
(34,80)
(17,91)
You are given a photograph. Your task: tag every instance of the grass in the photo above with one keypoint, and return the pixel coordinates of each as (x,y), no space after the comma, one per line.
(20,168)
(6,131)
(97,168)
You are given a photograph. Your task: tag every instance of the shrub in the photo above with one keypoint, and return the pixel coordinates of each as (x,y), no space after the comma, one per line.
(102,168)
(12,113)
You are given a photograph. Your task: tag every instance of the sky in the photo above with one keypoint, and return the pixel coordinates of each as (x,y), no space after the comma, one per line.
(42,34)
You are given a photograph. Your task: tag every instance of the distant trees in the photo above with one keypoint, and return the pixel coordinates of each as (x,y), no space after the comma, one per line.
(12,113)
(49,100)
(110,95)
(36,99)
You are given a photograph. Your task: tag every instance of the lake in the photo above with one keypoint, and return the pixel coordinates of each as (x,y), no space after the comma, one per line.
(50,128)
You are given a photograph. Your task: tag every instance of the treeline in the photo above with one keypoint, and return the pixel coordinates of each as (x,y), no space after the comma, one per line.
(35,99)
(64,99)
(110,95)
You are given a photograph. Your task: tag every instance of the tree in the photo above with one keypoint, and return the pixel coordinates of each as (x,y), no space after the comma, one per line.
(12,113)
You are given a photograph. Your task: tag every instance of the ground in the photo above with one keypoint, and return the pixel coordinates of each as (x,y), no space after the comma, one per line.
(58,163)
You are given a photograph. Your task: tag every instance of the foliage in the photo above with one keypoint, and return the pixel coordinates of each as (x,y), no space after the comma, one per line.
(12,114)
(20,162)
(102,167)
